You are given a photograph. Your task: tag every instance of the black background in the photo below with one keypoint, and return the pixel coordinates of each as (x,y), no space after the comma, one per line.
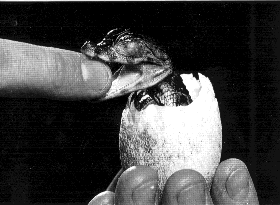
(67,151)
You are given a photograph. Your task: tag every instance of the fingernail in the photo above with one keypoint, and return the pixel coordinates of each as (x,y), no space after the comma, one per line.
(145,194)
(96,75)
(194,194)
(237,184)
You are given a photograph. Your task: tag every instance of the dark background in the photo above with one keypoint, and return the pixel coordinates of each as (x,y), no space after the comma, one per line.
(67,151)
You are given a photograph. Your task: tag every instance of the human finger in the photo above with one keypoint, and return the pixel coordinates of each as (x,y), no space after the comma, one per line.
(186,187)
(137,185)
(113,184)
(104,198)
(233,184)
(51,71)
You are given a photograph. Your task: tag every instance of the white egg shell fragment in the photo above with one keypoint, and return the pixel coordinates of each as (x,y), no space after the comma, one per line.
(169,139)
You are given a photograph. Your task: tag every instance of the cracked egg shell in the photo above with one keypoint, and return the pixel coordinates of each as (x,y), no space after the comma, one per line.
(169,139)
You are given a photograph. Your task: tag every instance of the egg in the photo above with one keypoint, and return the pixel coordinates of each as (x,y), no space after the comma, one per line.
(169,139)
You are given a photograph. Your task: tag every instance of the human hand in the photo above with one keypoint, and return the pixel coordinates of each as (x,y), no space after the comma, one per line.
(27,68)
(232,185)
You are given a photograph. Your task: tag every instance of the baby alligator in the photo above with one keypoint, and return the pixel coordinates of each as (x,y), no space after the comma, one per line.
(144,70)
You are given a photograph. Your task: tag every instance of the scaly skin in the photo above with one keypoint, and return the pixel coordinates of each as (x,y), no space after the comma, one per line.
(144,67)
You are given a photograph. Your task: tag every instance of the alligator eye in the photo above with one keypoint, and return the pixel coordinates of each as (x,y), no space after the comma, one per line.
(115,34)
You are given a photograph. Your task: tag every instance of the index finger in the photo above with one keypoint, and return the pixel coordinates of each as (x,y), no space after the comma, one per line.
(52,71)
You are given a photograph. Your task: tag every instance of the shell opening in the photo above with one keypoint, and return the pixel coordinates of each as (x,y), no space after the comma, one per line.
(192,85)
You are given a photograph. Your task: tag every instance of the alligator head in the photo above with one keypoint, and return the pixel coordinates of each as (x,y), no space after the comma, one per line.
(141,63)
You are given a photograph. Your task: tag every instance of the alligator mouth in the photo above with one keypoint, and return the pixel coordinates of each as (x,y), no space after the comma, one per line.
(129,79)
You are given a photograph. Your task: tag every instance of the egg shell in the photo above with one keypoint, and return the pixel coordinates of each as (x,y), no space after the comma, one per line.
(169,139)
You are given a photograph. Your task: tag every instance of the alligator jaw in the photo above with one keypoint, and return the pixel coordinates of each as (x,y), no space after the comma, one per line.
(130,78)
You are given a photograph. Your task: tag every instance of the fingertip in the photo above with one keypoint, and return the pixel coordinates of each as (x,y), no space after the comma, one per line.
(136,175)
(137,185)
(113,184)
(237,184)
(232,184)
(106,197)
(183,178)
(146,194)
(97,77)
(184,187)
